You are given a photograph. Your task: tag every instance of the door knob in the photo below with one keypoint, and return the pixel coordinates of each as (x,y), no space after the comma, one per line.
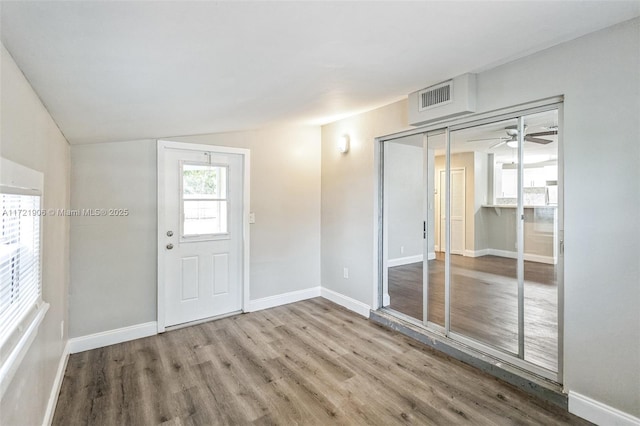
(169,246)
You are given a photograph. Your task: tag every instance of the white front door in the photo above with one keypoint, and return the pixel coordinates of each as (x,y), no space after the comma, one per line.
(200,220)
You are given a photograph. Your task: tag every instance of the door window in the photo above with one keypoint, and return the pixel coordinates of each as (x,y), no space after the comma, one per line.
(204,200)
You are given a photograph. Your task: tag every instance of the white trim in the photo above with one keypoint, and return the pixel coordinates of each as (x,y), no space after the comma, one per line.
(17,354)
(527,256)
(404,260)
(162,145)
(476,253)
(111,337)
(380,231)
(282,299)
(347,302)
(160,235)
(57,384)
(599,413)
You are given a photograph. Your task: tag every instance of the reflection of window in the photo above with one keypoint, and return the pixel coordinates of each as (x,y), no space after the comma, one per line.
(19,259)
(204,199)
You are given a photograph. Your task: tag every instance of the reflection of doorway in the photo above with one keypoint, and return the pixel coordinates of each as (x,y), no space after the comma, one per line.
(457,210)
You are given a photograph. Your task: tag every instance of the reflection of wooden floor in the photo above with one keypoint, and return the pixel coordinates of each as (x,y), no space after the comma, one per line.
(484,302)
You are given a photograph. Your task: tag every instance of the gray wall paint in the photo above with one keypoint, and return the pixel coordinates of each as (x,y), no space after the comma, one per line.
(114,259)
(348,192)
(30,137)
(404,194)
(481,188)
(598,74)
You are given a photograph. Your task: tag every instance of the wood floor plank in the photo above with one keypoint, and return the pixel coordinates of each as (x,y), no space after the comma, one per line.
(308,363)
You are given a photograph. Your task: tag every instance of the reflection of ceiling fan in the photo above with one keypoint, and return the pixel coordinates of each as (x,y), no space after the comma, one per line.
(512,137)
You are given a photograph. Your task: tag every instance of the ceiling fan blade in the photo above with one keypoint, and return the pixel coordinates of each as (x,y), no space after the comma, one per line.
(495,145)
(549,133)
(486,139)
(529,138)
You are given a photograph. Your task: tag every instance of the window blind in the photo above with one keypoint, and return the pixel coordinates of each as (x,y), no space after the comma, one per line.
(20,288)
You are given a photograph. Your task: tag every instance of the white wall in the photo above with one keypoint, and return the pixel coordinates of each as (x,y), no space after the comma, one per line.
(598,74)
(29,136)
(113,275)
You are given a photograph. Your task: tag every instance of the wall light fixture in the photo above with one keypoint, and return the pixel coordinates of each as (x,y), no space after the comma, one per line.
(343,144)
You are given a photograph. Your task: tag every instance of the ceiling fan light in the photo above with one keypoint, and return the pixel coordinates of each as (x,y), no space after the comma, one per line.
(512,144)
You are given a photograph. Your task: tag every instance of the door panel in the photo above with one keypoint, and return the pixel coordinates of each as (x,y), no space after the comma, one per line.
(220,274)
(483,284)
(190,278)
(202,241)
(404,225)
(540,229)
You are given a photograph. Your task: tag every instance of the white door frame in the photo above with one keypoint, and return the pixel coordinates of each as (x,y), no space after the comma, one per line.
(162,146)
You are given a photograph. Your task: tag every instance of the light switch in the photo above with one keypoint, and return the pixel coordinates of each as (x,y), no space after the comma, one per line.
(252,217)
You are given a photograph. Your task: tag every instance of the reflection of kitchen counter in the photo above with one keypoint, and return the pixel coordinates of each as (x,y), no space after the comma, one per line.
(513,206)
(497,207)
(500,225)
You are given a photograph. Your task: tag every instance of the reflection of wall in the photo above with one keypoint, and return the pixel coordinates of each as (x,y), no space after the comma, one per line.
(481,196)
(539,229)
(404,198)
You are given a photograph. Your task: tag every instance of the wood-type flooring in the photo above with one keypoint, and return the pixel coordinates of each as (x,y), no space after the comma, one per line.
(484,302)
(307,363)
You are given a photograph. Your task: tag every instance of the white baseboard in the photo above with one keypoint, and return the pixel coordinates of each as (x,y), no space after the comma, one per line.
(476,253)
(347,302)
(599,413)
(527,256)
(431,255)
(282,299)
(111,337)
(57,384)
(404,260)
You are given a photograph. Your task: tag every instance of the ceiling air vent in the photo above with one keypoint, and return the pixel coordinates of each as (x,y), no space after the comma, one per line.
(454,97)
(435,95)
